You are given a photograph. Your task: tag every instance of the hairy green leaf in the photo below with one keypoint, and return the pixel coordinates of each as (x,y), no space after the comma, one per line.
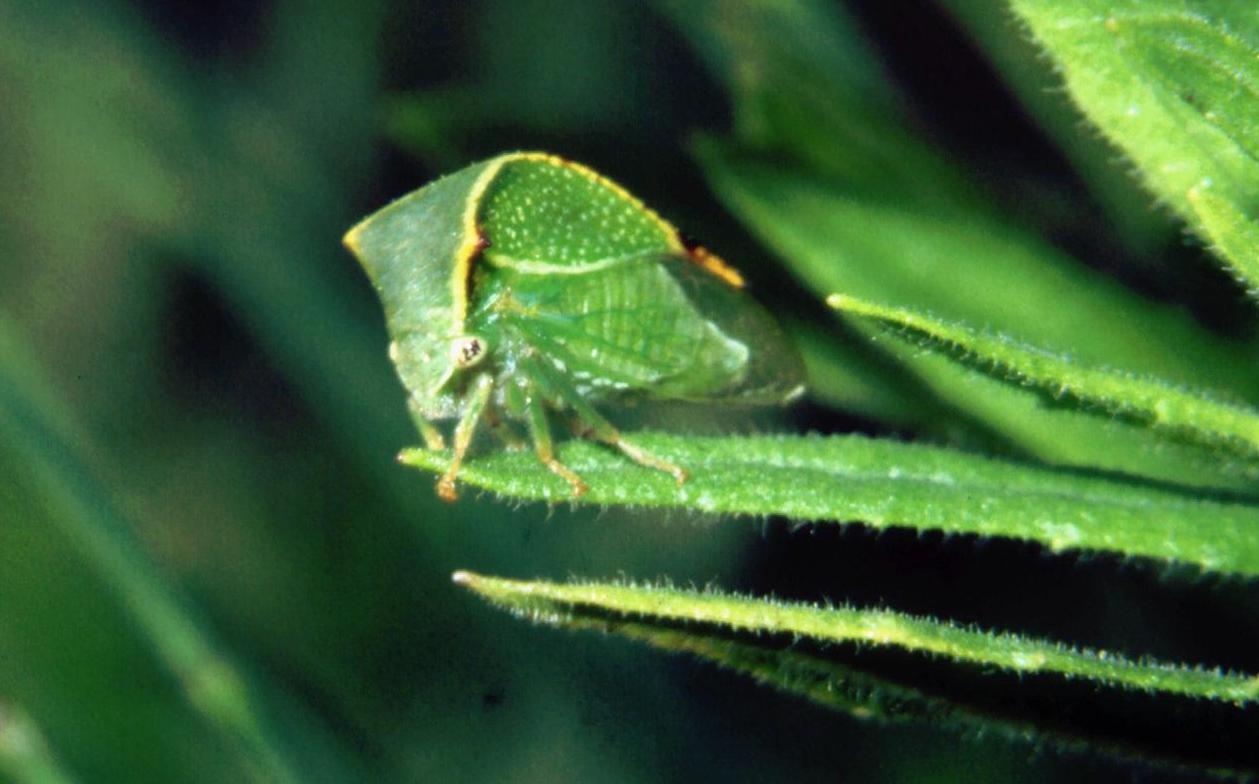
(1175,85)
(1143,398)
(887,483)
(557,603)
(833,678)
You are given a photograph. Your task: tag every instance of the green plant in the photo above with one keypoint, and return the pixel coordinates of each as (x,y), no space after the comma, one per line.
(1039,536)
(1138,422)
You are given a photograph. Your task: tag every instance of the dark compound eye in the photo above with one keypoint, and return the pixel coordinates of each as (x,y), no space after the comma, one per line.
(468,350)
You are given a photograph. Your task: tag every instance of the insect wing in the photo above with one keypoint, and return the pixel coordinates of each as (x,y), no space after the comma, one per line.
(657,324)
(774,372)
(625,326)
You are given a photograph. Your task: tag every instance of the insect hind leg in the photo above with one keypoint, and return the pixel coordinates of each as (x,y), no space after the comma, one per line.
(597,426)
(540,432)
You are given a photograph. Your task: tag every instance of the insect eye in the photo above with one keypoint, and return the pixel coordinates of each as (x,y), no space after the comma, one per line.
(467,351)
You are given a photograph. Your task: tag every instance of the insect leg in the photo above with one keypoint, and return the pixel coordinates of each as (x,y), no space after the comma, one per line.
(503,431)
(477,400)
(433,439)
(599,427)
(540,432)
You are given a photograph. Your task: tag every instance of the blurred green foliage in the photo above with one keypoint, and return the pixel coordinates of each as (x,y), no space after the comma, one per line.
(209,366)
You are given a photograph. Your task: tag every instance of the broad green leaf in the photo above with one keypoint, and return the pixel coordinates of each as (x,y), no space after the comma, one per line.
(977,271)
(556,603)
(1174,84)
(887,483)
(37,431)
(24,754)
(1142,398)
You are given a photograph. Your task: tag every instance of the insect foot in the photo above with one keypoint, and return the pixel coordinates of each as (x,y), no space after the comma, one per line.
(446,489)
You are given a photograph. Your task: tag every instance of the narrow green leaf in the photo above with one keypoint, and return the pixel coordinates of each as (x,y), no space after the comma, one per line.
(825,676)
(24,754)
(1175,85)
(1143,398)
(887,483)
(37,430)
(557,603)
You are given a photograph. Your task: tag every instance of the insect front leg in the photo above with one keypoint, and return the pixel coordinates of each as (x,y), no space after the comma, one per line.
(540,432)
(433,440)
(598,427)
(478,397)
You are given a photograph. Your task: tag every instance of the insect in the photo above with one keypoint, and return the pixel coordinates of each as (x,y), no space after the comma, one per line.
(528,285)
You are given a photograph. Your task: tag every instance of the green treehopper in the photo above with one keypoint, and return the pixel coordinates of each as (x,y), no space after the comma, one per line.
(528,283)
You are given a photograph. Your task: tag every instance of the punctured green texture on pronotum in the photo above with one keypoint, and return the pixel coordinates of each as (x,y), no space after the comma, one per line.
(555,602)
(529,283)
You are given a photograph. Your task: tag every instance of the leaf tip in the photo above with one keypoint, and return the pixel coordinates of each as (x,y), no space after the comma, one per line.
(463,577)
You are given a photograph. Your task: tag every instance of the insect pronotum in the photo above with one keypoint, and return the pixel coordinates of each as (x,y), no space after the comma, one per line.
(528,284)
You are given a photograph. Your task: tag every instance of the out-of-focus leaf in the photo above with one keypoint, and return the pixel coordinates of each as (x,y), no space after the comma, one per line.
(86,516)
(24,754)
(804,80)
(969,268)
(1142,398)
(757,45)
(888,483)
(1132,213)
(978,271)
(557,603)
(1174,84)
(846,373)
